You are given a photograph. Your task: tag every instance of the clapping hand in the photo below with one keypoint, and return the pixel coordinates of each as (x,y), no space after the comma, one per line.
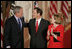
(53,33)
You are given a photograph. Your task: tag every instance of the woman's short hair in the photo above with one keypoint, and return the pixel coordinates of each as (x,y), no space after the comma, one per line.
(57,17)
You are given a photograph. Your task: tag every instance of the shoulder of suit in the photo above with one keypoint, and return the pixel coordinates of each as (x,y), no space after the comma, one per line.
(10,19)
(61,26)
(46,21)
(32,20)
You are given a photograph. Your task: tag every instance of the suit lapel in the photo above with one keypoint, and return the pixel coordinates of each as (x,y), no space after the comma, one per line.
(40,25)
(22,20)
(34,25)
(16,22)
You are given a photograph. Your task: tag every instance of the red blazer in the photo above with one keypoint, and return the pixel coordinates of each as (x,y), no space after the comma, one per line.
(56,43)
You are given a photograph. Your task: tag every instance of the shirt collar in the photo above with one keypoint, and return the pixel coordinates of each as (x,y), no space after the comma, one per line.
(16,18)
(39,19)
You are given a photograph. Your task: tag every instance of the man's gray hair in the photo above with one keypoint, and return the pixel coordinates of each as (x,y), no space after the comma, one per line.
(17,9)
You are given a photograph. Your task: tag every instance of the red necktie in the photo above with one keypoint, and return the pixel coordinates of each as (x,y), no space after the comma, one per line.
(36,26)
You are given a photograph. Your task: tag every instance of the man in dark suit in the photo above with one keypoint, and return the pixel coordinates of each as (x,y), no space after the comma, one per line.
(38,30)
(13,30)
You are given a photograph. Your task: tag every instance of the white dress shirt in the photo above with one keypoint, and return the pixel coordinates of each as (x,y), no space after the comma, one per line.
(17,20)
(39,20)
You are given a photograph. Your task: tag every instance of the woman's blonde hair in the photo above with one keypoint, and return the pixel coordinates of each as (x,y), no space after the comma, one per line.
(58,17)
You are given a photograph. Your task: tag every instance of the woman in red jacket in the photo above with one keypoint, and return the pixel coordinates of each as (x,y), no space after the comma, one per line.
(55,33)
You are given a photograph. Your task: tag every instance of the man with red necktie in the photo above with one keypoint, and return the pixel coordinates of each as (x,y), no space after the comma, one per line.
(37,30)
(36,26)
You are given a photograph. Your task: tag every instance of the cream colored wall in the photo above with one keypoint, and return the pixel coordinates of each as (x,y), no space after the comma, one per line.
(44,5)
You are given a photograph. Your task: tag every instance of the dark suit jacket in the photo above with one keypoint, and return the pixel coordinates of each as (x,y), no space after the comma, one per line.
(13,36)
(38,39)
